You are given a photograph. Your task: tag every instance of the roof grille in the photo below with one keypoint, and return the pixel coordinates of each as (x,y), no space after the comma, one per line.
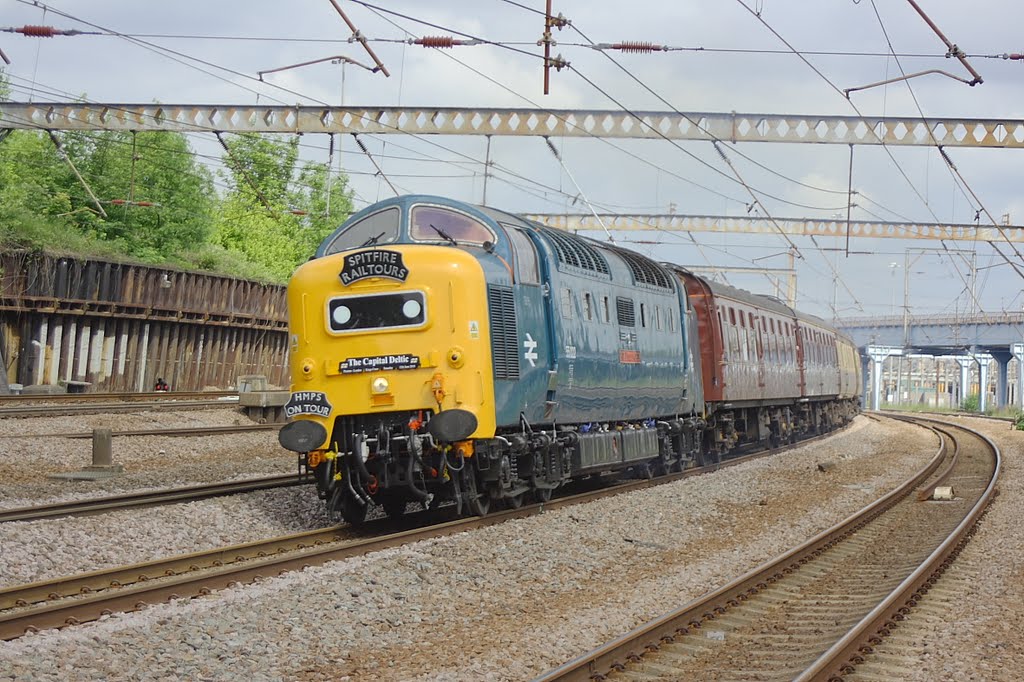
(645,271)
(576,251)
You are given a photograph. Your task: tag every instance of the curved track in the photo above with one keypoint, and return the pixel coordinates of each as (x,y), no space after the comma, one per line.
(814,612)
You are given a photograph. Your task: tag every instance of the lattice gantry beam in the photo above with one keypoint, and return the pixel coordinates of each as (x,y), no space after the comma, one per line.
(791,226)
(732,127)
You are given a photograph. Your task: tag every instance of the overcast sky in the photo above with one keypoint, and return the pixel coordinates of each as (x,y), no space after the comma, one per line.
(219,46)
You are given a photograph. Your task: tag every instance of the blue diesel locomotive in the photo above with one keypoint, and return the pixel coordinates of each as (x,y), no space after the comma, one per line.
(442,351)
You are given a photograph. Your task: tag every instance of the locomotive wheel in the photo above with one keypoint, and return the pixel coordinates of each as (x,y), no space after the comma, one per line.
(479,504)
(352,511)
(515,501)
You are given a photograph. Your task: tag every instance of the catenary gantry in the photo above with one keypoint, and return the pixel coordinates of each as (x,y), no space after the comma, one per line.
(674,125)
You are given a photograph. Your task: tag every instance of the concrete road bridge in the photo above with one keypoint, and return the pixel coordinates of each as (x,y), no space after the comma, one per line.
(971,340)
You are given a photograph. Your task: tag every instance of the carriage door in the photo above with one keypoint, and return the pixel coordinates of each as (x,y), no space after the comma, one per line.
(757,350)
(536,343)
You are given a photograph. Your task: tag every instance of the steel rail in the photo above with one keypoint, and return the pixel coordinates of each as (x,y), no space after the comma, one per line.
(611,656)
(174,432)
(22,411)
(844,656)
(653,635)
(132,397)
(97,505)
(250,561)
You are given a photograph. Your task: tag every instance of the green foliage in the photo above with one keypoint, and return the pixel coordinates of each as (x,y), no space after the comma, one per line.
(970,403)
(274,214)
(1018,421)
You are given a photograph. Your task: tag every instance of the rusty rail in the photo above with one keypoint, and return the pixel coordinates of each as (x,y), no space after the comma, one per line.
(150,498)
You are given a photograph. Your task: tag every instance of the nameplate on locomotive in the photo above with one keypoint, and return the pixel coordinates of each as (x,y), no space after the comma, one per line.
(379,363)
(373,263)
(307,402)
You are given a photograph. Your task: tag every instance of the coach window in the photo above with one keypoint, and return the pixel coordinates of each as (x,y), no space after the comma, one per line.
(525,254)
(373,230)
(437,224)
(566,303)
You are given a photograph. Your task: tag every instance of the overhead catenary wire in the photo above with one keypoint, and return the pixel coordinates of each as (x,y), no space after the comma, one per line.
(836,88)
(965,186)
(554,151)
(814,241)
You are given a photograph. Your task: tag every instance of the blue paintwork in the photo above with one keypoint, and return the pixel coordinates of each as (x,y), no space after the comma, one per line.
(578,375)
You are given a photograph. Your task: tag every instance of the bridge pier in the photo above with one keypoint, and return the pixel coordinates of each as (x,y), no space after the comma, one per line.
(1003,359)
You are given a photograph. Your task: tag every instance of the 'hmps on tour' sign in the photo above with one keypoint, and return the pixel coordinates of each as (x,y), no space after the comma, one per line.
(373,263)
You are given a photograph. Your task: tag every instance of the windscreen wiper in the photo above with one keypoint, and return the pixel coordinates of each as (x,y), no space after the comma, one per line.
(445,236)
(372,241)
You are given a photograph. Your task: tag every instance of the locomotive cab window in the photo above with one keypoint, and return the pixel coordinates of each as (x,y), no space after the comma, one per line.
(373,230)
(436,224)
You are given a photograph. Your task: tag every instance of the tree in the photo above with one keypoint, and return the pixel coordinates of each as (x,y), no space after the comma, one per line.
(155,169)
(277,211)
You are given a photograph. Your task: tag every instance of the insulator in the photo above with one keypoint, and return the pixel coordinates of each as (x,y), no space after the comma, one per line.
(436,41)
(37,31)
(636,46)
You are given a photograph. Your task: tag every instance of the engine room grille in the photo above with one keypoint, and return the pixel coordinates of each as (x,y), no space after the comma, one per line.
(625,311)
(573,250)
(504,332)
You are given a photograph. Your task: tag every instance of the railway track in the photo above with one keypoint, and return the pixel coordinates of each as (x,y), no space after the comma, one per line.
(66,408)
(115,397)
(816,612)
(147,499)
(85,597)
(173,432)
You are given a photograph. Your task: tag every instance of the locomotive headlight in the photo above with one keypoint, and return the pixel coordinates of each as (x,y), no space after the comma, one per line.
(411,309)
(341,315)
(380,385)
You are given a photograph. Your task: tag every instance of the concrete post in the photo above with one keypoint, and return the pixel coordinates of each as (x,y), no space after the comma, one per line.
(1018,352)
(982,385)
(102,452)
(965,377)
(983,360)
(865,371)
(878,354)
